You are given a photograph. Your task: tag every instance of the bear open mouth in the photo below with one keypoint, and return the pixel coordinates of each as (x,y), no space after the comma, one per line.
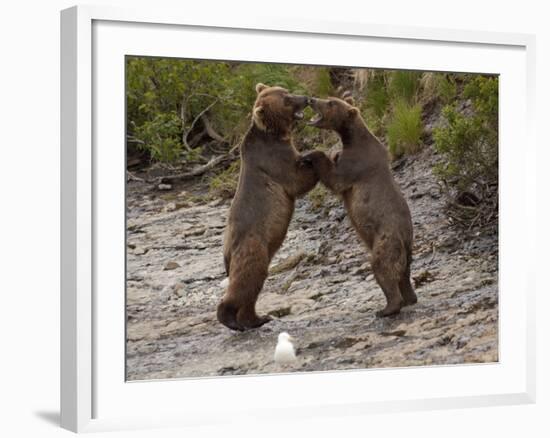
(315,119)
(299,115)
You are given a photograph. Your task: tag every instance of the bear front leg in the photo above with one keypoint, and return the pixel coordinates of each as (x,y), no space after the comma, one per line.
(327,172)
(305,179)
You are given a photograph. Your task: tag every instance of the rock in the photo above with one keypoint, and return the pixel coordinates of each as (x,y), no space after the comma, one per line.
(171,265)
(461,342)
(448,243)
(171,206)
(164,187)
(288,263)
(216,202)
(140,251)
(178,290)
(280,312)
(359,346)
(397,333)
(346,343)
(363,269)
(337,214)
(194,232)
(301,306)
(423,277)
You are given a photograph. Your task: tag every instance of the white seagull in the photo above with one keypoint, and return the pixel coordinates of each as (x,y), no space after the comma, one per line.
(284,351)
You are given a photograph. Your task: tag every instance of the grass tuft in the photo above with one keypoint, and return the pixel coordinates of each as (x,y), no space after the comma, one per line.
(405,129)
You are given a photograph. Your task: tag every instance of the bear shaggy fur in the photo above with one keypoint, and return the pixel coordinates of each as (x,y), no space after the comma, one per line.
(360,173)
(271,179)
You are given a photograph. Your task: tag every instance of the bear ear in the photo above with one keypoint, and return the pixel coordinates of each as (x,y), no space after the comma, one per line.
(347,97)
(260,87)
(352,112)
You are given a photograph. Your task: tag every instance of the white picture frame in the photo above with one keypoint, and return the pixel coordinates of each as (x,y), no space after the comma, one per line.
(94,395)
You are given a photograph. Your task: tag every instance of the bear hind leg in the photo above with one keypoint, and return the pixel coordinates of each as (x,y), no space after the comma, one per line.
(389,266)
(407,292)
(394,300)
(227,315)
(248,271)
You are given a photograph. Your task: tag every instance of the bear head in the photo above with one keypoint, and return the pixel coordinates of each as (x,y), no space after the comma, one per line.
(333,113)
(276,110)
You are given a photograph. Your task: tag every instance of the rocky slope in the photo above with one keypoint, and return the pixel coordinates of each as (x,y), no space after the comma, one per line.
(320,289)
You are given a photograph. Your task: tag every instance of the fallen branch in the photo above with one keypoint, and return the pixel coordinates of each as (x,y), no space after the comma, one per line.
(214,161)
(131,177)
(133,139)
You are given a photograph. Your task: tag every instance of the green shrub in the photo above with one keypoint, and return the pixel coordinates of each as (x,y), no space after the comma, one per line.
(483,91)
(437,87)
(317,197)
(468,141)
(446,88)
(164,97)
(404,131)
(161,136)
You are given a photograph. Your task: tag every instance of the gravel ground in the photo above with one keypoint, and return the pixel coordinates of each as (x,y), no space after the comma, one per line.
(320,289)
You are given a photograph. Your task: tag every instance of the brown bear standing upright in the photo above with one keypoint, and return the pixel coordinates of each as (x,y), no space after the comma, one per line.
(375,205)
(270,180)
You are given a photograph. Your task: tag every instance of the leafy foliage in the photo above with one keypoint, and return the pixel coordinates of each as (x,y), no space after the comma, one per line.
(166,96)
(470,142)
(163,135)
(185,111)
(446,88)
(317,197)
(469,145)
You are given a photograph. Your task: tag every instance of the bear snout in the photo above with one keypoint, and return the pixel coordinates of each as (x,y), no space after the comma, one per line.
(300,101)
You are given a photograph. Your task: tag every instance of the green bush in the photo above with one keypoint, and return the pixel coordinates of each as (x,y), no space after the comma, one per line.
(317,197)
(404,131)
(440,87)
(446,88)
(161,136)
(468,143)
(165,96)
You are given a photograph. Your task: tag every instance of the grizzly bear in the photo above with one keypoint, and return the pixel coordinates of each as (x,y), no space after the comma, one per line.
(270,180)
(361,174)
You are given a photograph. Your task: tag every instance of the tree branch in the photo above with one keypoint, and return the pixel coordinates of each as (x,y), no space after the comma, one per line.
(211,131)
(196,119)
(214,161)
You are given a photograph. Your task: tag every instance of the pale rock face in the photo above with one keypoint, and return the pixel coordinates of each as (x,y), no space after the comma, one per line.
(284,351)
